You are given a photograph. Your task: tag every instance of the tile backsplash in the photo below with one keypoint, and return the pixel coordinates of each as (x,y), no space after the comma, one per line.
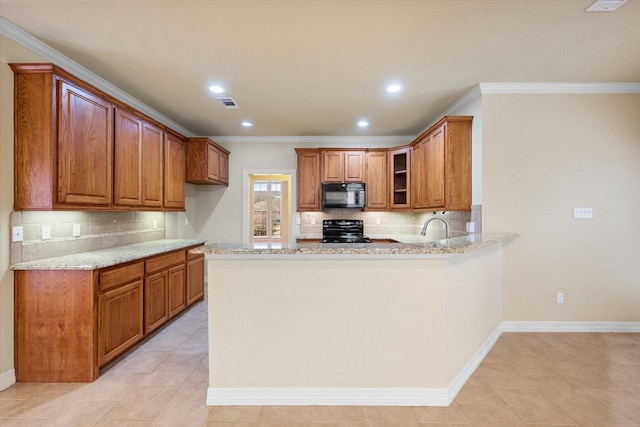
(98,230)
(388,224)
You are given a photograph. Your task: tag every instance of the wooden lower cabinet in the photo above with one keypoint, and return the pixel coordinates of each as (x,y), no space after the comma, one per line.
(119,320)
(55,333)
(156,308)
(176,290)
(195,278)
(70,323)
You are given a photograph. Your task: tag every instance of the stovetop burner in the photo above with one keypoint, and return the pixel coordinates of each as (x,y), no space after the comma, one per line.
(343,231)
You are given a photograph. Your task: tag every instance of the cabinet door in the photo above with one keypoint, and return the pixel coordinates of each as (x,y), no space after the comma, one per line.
(400,178)
(417,182)
(127,159)
(156,309)
(174,171)
(354,169)
(434,193)
(195,279)
(377,192)
(85,147)
(308,185)
(177,296)
(119,320)
(332,166)
(213,161)
(224,168)
(152,165)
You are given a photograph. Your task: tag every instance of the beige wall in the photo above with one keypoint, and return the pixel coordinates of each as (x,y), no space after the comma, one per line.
(372,323)
(9,52)
(543,155)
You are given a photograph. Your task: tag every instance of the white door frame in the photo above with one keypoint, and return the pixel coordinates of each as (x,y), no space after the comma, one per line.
(246,221)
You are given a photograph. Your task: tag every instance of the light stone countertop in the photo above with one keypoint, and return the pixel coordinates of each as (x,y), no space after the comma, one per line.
(108,257)
(408,247)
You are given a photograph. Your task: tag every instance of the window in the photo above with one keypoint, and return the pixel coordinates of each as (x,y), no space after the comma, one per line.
(267,210)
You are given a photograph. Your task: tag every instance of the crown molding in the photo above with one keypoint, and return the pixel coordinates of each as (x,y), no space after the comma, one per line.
(37,46)
(559,88)
(391,140)
(50,54)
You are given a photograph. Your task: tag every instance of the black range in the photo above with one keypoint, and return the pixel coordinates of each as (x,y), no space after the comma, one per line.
(343,231)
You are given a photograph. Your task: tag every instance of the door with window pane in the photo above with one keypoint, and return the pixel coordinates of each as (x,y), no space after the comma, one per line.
(267,211)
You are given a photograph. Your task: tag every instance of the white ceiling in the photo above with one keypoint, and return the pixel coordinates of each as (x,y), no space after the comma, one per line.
(315,67)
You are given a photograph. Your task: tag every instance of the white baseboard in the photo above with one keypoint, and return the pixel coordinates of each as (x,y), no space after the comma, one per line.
(399,396)
(7,379)
(352,396)
(327,396)
(546,326)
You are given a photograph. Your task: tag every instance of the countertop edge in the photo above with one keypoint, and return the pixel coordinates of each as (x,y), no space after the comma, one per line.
(104,258)
(440,249)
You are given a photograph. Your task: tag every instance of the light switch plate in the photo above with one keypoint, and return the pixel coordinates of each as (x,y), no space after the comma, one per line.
(17,234)
(76,230)
(154,224)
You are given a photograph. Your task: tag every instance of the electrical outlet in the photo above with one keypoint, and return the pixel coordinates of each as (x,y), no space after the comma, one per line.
(46,232)
(17,234)
(154,224)
(76,230)
(560,298)
(471,227)
(378,221)
(582,212)
(313,221)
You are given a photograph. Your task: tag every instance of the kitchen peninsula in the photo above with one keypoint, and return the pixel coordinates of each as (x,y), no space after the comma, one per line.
(351,324)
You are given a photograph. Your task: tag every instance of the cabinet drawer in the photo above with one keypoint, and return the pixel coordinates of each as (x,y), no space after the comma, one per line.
(119,276)
(162,262)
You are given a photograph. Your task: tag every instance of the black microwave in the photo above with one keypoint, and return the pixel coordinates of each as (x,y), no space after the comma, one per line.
(342,196)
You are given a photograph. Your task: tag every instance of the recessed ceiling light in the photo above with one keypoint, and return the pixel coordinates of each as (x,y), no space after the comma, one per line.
(216,89)
(363,123)
(246,124)
(393,88)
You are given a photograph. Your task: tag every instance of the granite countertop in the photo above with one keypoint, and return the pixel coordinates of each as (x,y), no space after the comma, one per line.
(108,257)
(409,246)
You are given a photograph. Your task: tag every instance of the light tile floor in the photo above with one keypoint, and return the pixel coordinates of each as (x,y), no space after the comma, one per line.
(549,379)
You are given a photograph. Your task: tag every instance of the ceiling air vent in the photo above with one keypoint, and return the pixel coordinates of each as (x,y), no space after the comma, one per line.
(228,103)
(605,5)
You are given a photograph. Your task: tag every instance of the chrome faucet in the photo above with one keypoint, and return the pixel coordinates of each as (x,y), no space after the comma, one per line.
(426,224)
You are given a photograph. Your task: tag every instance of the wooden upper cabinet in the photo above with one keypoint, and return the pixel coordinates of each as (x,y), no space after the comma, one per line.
(400,178)
(417,162)
(152,165)
(175,153)
(343,166)
(63,141)
(84,148)
(78,148)
(434,187)
(127,159)
(441,175)
(377,192)
(308,179)
(138,161)
(207,162)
